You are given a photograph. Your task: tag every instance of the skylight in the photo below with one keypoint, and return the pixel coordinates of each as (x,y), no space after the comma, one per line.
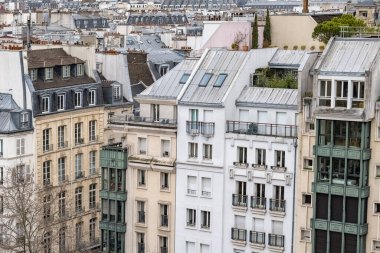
(184,78)
(205,79)
(220,80)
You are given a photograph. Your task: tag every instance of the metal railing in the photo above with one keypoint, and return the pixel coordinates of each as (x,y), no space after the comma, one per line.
(193,127)
(208,128)
(258,202)
(141,217)
(79,141)
(278,168)
(164,220)
(206,194)
(197,127)
(241,164)
(93,138)
(79,174)
(47,147)
(250,128)
(163,249)
(259,166)
(141,247)
(239,200)
(63,144)
(276,240)
(257,237)
(277,205)
(191,192)
(238,234)
(138,120)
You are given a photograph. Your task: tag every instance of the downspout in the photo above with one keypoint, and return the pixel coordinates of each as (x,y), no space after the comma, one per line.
(23,81)
(295,145)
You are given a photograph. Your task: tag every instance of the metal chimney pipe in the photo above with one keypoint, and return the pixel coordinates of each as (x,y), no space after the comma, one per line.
(305,8)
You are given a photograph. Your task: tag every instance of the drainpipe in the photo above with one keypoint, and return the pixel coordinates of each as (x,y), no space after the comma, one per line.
(23,81)
(295,145)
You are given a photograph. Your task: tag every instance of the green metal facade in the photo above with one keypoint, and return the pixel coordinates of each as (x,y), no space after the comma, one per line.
(340,189)
(113,161)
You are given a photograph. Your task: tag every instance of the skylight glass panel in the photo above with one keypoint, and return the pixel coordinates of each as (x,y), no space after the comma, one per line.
(184,78)
(220,80)
(205,79)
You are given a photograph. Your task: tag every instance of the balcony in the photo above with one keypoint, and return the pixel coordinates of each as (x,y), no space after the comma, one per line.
(164,220)
(238,234)
(259,166)
(258,203)
(141,247)
(208,129)
(141,217)
(241,164)
(194,128)
(239,200)
(47,148)
(63,144)
(277,205)
(79,174)
(79,141)
(264,129)
(256,237)
(276,240)
(141,121)
(278,168)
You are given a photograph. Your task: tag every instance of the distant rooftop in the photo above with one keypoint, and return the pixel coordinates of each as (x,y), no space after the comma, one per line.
(287,58)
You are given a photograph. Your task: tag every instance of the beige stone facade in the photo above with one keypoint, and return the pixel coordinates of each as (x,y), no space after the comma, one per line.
(80,206)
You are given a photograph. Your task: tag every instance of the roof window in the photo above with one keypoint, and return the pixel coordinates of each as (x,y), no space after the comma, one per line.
(220,80)
(205,79)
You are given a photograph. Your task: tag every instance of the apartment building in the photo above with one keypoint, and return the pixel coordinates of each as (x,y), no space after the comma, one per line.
(68,115)
(151,176)
(339,173)
(16,166)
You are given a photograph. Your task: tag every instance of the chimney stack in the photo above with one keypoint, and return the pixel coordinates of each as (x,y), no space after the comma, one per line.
(305,8)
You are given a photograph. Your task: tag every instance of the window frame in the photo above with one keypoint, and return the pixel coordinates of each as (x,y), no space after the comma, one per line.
(78,99)
(66,70)
(45,104)
(220,79)
(92,97)
(49,75)
(205,79)
(61,101)
(184,78)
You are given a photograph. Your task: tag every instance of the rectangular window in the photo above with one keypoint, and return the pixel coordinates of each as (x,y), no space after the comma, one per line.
(220,80)
(205,219)
(191,216)
(156,113)
(164,178)
(80,70)
(45,106)
(1,148)
(61,137)
(191,185)
(164,211)
(206,186)
(140,211)
(48,73)
(260,156)
(92,162)
(61,102)
(163,240)
(164,70)
(78,99)
(116,92)
(341,94)
(34,74)
(205,79)
(78,133)
(62,169)
(47,207)
(24,119)
(20,146)
(357,94)
(1,204)
(23,173)
(46,242)
(306,199)
(140,242)
(142,142)
(92,130)
(141,177)
(307,164)
(280,158)
(46,172)
(207,151)
(78,199)
(65,71)
(242,155)
(305,235)
(92,196)
(325,93)
(92,230)
(1,175)
(165,147)
(46,140)
(62,204)
(193,150)
(78,166)
(78,234)
(184,78)
(92,97)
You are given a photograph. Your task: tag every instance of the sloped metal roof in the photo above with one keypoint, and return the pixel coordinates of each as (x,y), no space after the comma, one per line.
(7,102)
(6,122)
(268,97)
(217,61)
(287,58)
(349,55)
(168,86)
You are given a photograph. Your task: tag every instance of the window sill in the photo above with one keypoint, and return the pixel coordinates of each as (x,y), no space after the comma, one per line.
(142,225)
(143,187)
(191,227)
(208,230)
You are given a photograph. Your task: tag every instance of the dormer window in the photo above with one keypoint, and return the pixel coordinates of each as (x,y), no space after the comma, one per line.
(78,99)
(33,74)
(80,70)
(357,94)
(163,69)
(45,106)
(92,97)
(116,92)
(61,102)
(48,73)
(341,94)
(24,119)
(65,71)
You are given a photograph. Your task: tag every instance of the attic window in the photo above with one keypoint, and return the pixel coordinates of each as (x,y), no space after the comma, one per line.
(24,119)
(220,80)
(205,79)
(80,70)
(33,74)
(65,71)
(116,92)
(184,78)
(48,73)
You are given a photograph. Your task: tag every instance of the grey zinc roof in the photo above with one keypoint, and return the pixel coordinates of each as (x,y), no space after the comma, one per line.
(354,56)
(7,102)
(268,97)
(6,122)
(168,86)
(287,58)
(216,61)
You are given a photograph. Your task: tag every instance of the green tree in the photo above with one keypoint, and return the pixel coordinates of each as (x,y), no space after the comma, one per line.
(255,33)
(267,37)
(325,30)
